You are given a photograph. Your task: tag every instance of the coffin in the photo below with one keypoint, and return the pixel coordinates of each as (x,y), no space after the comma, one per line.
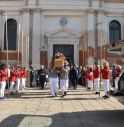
(59,63)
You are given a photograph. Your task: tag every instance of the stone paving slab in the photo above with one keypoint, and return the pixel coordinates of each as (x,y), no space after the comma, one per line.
(80,108)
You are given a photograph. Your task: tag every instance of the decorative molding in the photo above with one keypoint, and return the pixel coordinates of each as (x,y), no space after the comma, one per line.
(64,32)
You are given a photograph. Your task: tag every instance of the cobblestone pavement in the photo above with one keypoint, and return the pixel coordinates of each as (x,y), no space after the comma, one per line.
(80,108)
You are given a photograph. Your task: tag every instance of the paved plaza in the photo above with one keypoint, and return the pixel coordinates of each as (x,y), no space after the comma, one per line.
(80,108)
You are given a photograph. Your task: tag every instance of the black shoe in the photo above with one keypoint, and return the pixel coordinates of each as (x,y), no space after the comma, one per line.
(88,88)
(56,94)
(62,95)
(52,96)
(65,93)
(106,97)
(97,93)
(11,93)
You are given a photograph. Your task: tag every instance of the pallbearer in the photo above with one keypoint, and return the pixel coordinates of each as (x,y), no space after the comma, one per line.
(18,80)
(90,78)
(53,80)
(13,75)
(64,72)
(24,74)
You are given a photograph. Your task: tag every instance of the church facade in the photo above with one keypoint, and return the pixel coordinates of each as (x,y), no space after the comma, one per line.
(32,31)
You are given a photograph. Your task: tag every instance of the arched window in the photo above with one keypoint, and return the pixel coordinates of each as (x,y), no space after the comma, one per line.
(11,34)
(114,31)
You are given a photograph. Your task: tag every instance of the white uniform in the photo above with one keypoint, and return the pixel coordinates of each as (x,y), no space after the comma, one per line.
(64,80)
(53,81)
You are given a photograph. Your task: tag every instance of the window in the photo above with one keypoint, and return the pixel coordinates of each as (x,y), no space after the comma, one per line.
(114,31)
(11,33)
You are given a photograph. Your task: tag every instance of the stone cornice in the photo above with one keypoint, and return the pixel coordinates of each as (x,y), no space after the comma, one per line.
(36,9)
(90,10)
(114,1)
(102,11)
(25,9)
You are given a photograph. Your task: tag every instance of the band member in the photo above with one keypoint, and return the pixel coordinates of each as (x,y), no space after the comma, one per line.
(53,80)
(64,73)
(8,76)
(42,76)
(106,79)
(117,76)
(24,74)
(3,77)
(90,79)
(13,74)
(96,73)
(18,80)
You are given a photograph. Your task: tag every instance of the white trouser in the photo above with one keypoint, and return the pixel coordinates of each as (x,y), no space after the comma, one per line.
(96,83)
(23,82)
(106,85)
(116,82)
(53,85)
(63,85)
(90,84)
(2,88)
(12,86)
(17,83)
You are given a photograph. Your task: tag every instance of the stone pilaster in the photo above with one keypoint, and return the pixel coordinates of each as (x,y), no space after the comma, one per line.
(36,37)
(100,3)
(90,3)
(1,30)
(36,2)
(91,36)
(26,2)
(26,38)
(102,32)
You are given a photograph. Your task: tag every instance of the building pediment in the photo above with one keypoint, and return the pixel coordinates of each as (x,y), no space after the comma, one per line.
(64,32)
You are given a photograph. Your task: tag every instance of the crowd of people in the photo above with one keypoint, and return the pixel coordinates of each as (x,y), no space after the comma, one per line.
(14,78)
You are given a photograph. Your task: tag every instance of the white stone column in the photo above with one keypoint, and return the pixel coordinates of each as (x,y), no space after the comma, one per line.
(36,37)
(25,29)
(91,36)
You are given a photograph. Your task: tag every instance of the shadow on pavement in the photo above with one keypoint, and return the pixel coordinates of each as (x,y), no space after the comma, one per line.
(110,118)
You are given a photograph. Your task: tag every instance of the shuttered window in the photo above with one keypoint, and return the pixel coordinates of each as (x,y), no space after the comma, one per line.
(11,35)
